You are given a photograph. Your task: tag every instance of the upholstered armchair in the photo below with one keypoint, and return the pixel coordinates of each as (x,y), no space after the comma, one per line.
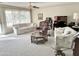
(64,38)
(43,28)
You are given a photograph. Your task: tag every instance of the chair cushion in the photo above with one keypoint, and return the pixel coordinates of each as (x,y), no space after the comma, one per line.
(59,30)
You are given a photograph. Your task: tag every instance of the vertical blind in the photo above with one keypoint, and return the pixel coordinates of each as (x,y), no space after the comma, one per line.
(17,17)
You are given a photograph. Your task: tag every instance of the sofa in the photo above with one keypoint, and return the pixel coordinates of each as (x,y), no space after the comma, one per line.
(23,28)
(64,38)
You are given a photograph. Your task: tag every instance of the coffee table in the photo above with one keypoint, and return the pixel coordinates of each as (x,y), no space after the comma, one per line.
(38,38)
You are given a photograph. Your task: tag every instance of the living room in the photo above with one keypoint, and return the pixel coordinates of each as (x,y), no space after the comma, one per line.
(21,22)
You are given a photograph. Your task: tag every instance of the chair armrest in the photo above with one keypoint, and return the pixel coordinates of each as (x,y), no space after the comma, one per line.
(73,45)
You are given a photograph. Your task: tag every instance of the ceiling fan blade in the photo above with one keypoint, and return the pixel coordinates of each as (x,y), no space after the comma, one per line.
(35,7)
(31,6)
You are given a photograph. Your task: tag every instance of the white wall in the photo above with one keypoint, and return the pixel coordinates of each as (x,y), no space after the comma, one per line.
(65,10)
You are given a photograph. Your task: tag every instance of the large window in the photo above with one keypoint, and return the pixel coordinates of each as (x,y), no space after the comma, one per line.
(17,17)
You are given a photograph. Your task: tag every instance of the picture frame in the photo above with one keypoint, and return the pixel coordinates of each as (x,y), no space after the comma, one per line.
(40,16)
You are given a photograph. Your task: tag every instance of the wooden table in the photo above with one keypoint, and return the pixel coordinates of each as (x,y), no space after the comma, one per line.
(37,38)
(75,28)
(76,47)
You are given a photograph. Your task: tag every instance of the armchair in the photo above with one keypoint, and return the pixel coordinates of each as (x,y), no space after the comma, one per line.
(64,39)
(43,28)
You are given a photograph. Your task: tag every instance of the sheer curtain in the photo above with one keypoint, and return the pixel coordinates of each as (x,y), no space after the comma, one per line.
(17,17)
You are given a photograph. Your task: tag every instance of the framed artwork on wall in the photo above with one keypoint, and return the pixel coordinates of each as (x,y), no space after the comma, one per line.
(40,16)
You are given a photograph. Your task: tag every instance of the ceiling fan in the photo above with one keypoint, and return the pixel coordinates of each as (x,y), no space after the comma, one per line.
(32,6)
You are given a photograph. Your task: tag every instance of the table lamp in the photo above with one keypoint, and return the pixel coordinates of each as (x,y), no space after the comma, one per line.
(75,16)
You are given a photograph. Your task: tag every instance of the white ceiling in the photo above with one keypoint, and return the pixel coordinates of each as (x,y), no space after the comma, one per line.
(39,4)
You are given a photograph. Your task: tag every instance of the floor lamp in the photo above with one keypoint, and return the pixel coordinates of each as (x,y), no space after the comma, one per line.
(75,17)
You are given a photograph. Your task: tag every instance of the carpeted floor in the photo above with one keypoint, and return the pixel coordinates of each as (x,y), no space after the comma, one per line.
(20,45)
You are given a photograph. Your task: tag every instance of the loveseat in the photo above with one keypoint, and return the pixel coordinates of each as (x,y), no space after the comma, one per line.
(24,28)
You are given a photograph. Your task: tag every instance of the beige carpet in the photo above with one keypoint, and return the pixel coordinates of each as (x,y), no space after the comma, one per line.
(12,45)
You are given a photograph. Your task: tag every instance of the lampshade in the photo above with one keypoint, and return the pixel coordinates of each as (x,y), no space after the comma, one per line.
(75,16)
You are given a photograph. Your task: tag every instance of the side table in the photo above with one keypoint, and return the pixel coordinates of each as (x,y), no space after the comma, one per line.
(75,28)
(76,47)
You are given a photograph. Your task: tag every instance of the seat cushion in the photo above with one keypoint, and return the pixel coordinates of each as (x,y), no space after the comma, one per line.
(59,31)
